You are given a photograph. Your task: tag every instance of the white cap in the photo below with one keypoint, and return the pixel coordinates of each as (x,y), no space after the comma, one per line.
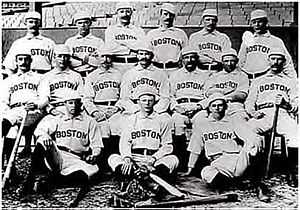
(210,12)
(82,15)
(169,7)
(73,95)
(189,49)
(62,49)
(23,51)
(146,91)
(276,51)
(215,96)
(259,13)
(231,51)
(144,45)
(123,5)
(33,15)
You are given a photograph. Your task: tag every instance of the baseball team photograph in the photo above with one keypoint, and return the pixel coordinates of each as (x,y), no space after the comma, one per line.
(147,104)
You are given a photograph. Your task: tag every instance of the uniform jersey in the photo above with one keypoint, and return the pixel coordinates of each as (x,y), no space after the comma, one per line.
(253,54)
(78,134)
(149,78)
(167,43)
(121,39)
(101,86)
(87,49)
(151,132)
(41,49)
(211,44)
(264,89)
(215,137)
(57,84)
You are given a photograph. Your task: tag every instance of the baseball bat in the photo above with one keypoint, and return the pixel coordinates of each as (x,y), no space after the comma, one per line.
(273,132)
(14,152)
(232,197)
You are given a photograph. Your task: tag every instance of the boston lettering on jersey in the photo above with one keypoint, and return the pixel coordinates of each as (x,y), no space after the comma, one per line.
(145,133)
(63,84)
(166,40)
(192,85)
(228,84)
(22,86)
(217,135)
(106,84)
(210,46)
(273,86)
(258,47)
(80,49)
(146,81)
(71,133)
(41,52)
(125,37)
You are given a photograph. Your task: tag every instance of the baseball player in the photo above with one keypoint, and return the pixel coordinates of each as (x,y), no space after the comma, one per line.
(41,48)
(67,148)
(144,75)
(122,38)
(85,47)
(20,94)
(167,40)
(275,87)
(146,140)
(61,81)
(102,91)
(233,83)
(187,90)
(253,54)
(218,138)
(210,42)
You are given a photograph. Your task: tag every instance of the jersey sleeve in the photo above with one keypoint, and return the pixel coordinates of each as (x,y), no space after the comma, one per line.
(95,137)
(294,97)
(89,95)
(164,94)
(125,142)
(251,99)
(289,68)
(9,61)
(196,144)
(46,127)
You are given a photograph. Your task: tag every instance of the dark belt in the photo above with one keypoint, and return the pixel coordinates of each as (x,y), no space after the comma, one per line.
(17,105)
(168,65)
(66,149)
(58,104)
(270,105)
(106,103)
(142,151)
(135,101)
(213,66)
(117,59)
(40,71)
(255,75)
(187,100)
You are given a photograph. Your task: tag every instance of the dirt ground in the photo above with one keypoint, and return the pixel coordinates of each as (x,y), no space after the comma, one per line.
(282,195)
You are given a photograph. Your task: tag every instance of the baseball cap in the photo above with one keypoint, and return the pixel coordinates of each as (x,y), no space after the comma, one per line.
(82,15)
(276,51)
(189,49)
(259,13)
(23,51)
(146,91)
(231,51)
(62,49)
(33,15)
(210,12)
(122,5)
(215,96)
(144,45)
(168,7)
(72,96)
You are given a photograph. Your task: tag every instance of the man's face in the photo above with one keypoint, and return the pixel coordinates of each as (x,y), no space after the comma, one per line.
(167,18)
(217,107)
(210,23)
(23,62)
(32,24)
(62,60)
(276,62)
(147,102)
(259,25)
(73,106)
(83,26)
(190,61)
(229,62)
(124,15)
(144,57)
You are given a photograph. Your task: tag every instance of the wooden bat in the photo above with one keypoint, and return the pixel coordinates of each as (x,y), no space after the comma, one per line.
(273,132)
(14,152)
(188,202)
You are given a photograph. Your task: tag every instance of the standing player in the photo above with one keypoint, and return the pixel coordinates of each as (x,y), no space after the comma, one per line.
(84,46)
(167,40)
(102,91)
(144,75)
(210,42)
(41,48)
(187,90)
(60,82)
(275,88)
(255,48)
(122,38)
